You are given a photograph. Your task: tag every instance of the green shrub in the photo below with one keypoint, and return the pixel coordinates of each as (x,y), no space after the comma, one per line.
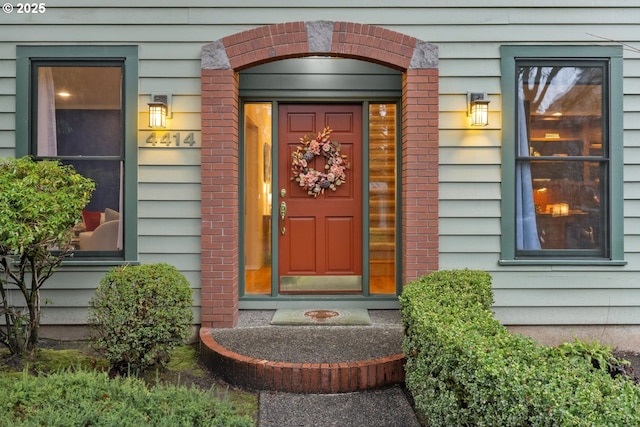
(465,369)
(92,399)
(40,202)
(139,314)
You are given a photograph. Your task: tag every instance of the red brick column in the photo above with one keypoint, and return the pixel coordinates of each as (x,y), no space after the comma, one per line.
(419,172)
(222,59)
(220,214)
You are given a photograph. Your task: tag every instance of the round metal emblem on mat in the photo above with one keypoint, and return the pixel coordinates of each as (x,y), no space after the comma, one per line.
(321,315)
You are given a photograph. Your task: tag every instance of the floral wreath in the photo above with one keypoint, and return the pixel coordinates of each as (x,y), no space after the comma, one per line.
(313,181)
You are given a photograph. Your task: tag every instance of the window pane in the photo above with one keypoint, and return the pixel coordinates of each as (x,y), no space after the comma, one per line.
(257,143)
(79,121)
(79,111)
(382,198)
(102,222)
(568,211)
(562,158)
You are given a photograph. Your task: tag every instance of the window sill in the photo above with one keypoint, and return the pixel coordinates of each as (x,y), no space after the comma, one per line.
(97,262)
(569,262)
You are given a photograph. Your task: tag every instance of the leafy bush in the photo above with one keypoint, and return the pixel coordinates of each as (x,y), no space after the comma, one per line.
(90,398)
(40,202)
(465,369)
(139,314)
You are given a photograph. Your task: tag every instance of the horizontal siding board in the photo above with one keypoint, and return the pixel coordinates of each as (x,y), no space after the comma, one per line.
(169,227)
(183,86)
(8,85)
(169,209)
(7,104)
(161,191)
(458,120)
(631,139)
(511,34)
(76,279)
(632,154)
(183,262)
(469,191)
(474,66)
(470,173)
(576,278)
(461,209)
(470,244)
(157,50)
(567,315)
(179,174)
(7,139)
(78,316)
(169,245)
(7,121)
(552,297)
(182,121)
(7,67)
(475,261)
(408,15)
(485,137)
(170,67)
(470,156)
(465,227)
(168,156)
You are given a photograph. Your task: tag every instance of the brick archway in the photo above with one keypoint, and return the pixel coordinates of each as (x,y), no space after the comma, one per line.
(222,59)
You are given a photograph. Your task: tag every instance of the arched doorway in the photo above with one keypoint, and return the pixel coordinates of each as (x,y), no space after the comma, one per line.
(221,62)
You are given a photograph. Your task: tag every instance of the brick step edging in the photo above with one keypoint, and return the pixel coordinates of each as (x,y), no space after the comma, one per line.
(260,374)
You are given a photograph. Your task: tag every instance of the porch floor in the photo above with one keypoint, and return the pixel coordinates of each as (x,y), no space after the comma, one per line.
(307,359)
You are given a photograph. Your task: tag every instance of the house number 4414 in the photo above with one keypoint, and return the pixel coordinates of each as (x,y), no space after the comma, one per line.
(169,139)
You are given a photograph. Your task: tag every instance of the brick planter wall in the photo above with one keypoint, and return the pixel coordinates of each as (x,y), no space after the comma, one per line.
(222,59)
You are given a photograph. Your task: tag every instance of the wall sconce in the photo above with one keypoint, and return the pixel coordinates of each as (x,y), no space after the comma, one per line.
(478,108)
(159,110)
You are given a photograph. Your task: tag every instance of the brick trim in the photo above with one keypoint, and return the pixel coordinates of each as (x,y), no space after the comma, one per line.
(260,374)
(222,59)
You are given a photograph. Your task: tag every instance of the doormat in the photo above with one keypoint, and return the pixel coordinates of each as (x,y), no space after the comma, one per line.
(338,317)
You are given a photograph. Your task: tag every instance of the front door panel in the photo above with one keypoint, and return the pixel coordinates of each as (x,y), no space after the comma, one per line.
(320,238)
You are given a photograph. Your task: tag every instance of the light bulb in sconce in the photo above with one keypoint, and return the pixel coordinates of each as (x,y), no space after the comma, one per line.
(478,108)
(159,110)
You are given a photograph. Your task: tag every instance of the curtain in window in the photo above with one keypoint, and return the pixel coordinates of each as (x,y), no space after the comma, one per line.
(526,228)
(47,140)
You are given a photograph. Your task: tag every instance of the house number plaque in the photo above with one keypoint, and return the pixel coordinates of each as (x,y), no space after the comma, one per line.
(174,139)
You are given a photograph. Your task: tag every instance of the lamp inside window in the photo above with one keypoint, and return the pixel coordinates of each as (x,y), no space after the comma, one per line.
(478,108)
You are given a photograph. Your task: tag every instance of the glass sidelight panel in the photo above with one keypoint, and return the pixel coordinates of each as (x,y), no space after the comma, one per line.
(257,199)
(382,198)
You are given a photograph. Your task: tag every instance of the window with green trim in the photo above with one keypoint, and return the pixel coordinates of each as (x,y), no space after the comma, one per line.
(78,113)
(562,153)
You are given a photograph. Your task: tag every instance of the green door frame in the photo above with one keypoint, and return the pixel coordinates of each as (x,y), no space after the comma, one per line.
(365,300)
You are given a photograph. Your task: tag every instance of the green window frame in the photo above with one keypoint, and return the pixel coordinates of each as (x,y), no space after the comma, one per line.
(610,249)
(28,59)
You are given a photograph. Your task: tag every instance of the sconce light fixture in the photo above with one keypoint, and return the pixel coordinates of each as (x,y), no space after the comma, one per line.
(159,110)
(478,108)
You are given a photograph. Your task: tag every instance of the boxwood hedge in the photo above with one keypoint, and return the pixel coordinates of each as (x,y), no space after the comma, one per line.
(466,369)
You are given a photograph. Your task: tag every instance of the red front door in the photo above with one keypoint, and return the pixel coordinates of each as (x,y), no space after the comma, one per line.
(320,238)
